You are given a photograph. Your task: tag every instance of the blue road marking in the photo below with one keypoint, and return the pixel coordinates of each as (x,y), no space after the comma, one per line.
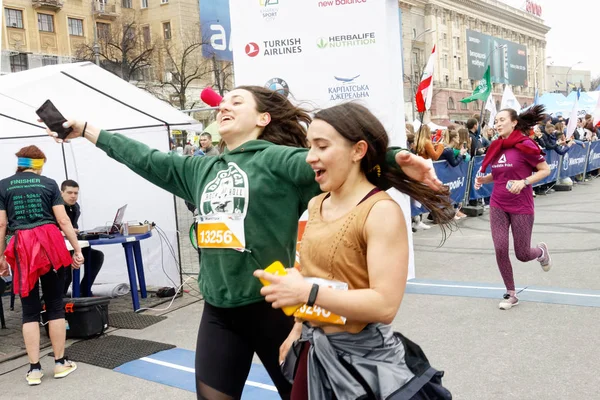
(567,296)
(175,368)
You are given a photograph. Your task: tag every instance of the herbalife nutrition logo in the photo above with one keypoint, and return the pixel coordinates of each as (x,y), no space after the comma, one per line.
(350,40)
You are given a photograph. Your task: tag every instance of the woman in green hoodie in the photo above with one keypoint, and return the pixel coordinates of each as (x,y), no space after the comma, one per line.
(249,200)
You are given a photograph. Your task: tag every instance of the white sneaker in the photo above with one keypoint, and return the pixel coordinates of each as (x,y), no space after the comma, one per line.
(545,260)
(421,226)
(508,302)
(34,377)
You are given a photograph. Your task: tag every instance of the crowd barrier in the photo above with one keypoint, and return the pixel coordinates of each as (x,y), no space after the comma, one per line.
(461,179)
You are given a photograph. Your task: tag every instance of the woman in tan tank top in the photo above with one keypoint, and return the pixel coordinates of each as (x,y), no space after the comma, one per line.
(354,261)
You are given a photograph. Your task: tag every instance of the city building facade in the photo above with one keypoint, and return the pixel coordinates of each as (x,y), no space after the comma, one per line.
(565,79)
(470,35)
(45,32)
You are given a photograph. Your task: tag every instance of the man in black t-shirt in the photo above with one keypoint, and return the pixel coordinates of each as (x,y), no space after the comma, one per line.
(69,190)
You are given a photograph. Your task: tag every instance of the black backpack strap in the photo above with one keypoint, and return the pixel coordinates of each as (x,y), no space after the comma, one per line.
(413,386)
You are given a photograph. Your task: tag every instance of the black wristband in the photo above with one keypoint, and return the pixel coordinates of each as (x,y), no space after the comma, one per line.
(83,132)
(312,297)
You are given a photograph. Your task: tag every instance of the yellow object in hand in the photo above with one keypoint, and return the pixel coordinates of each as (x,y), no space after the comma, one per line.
(277,268)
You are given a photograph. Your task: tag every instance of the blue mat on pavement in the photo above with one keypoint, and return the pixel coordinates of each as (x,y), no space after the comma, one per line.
(175,368)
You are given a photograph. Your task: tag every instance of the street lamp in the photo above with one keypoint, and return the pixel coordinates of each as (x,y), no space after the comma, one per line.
(412,74)
(567,80)
(535,71)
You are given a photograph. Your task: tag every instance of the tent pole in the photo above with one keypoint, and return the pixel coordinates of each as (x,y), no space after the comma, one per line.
(176,217)
(62,146)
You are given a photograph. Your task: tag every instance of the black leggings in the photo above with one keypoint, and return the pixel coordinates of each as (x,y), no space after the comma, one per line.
(52,287)
(227,341)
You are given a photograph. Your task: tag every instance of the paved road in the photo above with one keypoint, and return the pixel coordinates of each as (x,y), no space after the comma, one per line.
(542,349)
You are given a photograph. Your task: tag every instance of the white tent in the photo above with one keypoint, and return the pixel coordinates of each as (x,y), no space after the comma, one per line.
(432,125)
(84,91)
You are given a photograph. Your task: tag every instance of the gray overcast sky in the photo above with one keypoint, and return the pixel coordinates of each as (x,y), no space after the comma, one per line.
(573,32)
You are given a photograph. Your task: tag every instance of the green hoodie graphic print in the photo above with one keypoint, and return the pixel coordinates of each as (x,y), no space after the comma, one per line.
(269,184)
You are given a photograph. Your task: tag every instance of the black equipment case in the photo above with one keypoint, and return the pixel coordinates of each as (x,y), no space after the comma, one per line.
(86,316)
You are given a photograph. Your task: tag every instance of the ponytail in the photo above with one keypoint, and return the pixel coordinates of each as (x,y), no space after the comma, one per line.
(527,119)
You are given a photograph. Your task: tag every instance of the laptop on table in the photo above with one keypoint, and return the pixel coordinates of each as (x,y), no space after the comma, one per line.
(110,229)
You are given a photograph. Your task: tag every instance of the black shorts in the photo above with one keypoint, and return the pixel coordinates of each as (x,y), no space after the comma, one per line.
(227,341)
(53,283)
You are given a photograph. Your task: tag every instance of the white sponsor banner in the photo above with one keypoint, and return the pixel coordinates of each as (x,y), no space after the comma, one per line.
(325,52)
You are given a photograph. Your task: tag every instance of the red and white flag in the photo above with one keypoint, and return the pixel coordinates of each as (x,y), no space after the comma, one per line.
(425,89)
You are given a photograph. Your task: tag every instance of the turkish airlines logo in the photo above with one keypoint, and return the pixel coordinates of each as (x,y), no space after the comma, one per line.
(252,49)
(502,159)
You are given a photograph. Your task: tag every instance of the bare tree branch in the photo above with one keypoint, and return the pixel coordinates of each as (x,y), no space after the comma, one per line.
(122,49)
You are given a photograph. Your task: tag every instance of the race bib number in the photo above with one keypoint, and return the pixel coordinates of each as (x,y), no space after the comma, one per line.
(221,232)
(319,314)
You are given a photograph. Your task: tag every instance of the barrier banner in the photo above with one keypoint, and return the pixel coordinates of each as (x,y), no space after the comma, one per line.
(553,160)
(485,190)
(573,162)
(594,157)
(454,177)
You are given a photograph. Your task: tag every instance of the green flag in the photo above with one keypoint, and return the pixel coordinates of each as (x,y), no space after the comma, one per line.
(483,89)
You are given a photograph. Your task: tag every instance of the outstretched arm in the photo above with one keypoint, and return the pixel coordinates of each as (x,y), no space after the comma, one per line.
(170,172)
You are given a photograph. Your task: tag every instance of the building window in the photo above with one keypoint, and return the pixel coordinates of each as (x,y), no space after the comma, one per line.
(14,18)
(75,27)
(498,105)
(164,1)
(464,106)
(146,36)
(450,103)
(45,23)
(103,30)
(476,106)
(457,42)
(444,18)
(129,32)
(414,33)
(458,63)
(445,61)
(126,4)
(144,3)
(167,30)
(18,62)
(49,60)
(460,83)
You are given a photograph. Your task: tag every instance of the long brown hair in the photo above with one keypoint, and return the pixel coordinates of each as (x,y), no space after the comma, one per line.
(423,136)
(464,137)
(30,152)
(527,119)
(355,123)
(288,122)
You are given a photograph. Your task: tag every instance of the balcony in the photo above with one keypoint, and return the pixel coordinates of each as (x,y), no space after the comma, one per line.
(105,10)
(50,5)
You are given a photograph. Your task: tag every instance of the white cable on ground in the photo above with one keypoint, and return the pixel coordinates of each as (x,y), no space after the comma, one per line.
(170,304)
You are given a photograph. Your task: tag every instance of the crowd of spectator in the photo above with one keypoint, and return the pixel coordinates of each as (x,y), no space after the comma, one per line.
(459,142)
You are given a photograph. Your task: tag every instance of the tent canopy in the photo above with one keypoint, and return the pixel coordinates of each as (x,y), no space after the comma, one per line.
(557,103)
(84,91)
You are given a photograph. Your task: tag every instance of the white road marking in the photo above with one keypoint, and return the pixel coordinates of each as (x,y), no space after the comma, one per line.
(192,370)
(501,288)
